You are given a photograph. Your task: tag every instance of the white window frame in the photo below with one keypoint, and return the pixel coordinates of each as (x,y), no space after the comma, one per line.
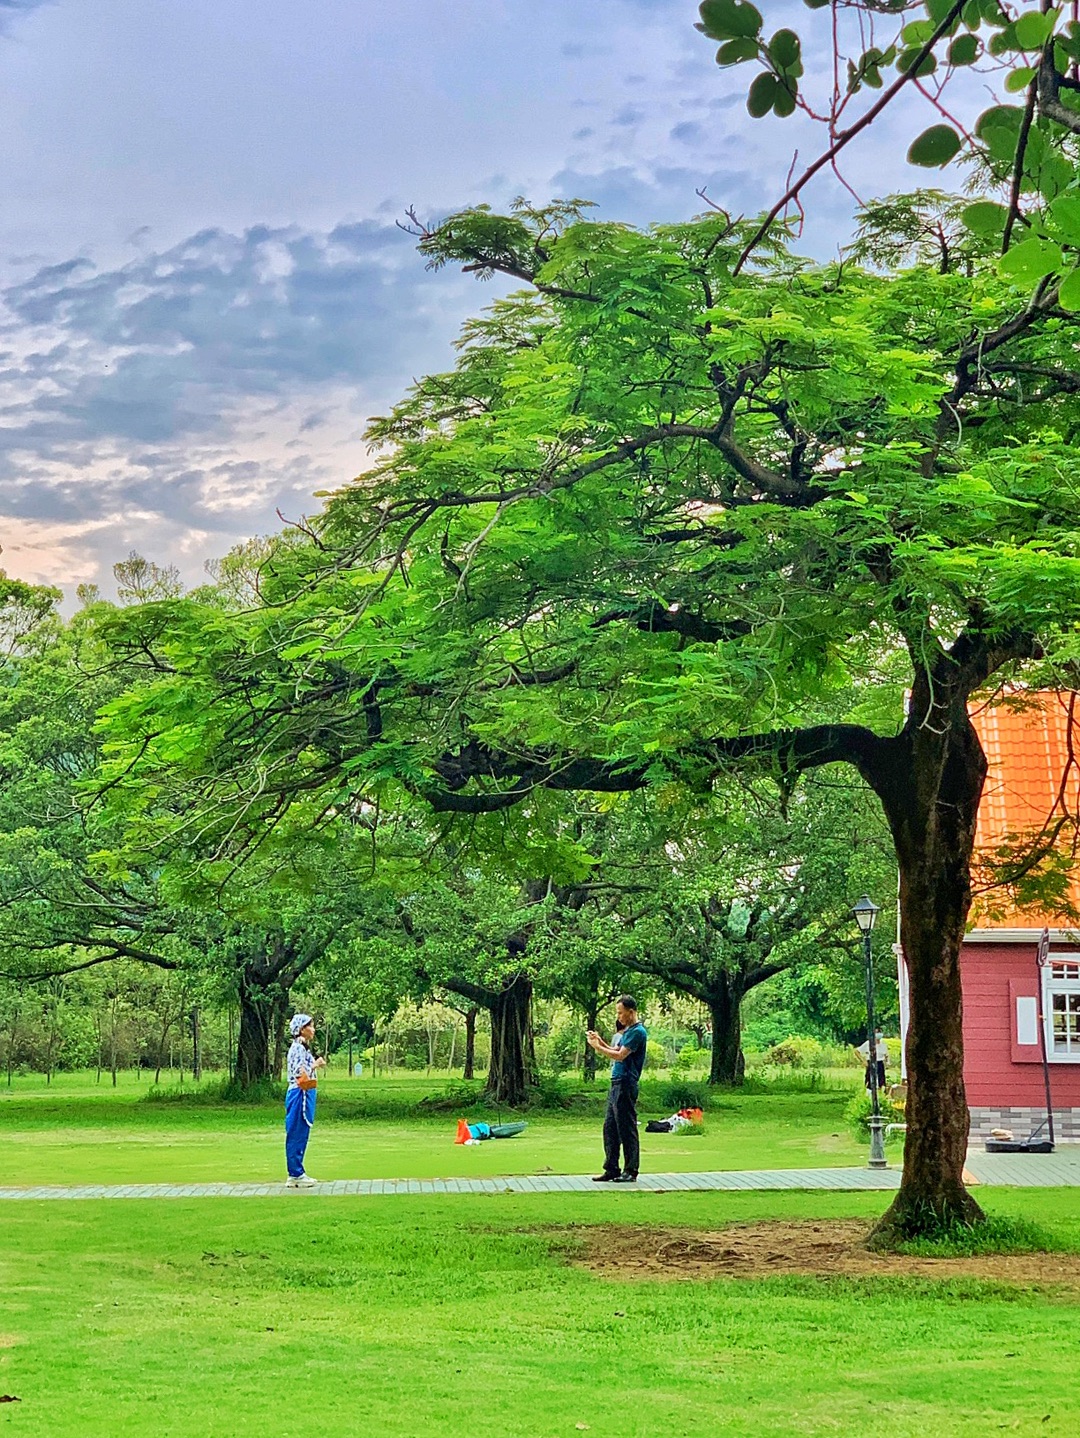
(1067,986)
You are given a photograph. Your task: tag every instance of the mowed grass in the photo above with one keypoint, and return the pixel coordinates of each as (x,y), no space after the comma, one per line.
(459,1317)
(77,1132)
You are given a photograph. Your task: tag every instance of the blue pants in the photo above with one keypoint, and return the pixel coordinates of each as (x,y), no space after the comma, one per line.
(299,1116)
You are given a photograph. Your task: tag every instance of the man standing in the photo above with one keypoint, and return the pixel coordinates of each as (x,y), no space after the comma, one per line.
(620,1121)
(881,1055)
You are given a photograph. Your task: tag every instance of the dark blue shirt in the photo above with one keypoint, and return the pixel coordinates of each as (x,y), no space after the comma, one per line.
(632,1053)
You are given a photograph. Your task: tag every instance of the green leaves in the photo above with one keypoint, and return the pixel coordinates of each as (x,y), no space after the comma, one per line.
(913,61)
(729,19)
(1065,212)
(734,52)
(985,218)
(1034,28)
(738,24)
(999,130)
(961,35)
(768,92)
(1069,293)
(1018,80)
(785,53)
(869,67)
(935,147)
(964,50)
(1031,261)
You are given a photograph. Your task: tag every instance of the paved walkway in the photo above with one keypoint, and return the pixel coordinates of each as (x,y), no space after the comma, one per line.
(1009,1170)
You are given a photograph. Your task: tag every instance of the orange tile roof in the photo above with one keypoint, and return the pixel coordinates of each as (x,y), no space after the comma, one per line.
(1032,746)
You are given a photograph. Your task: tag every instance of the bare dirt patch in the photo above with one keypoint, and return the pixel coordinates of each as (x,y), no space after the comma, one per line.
(829,1249)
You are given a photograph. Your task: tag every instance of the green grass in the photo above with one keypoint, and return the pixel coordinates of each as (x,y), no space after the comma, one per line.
(998,1234)
(458,1316)
(79,1132)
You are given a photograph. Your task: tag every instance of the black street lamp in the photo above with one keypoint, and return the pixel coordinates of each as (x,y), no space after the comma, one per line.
(866,912)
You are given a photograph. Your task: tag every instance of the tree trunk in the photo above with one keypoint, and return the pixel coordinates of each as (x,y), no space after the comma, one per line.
(11,1037)
(470,1041)
(196,1045)
(931,802)
(727,1064)
(588,1062)
(279,1019)
(258,1037)
(512,1072)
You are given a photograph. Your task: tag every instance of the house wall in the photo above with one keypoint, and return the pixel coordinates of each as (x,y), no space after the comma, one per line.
(1004,1079)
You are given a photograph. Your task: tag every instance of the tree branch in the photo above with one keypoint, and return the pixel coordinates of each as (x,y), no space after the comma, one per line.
(792,751)
(846,136)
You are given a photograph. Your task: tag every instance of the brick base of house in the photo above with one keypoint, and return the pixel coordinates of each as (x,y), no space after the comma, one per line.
(1024,1121)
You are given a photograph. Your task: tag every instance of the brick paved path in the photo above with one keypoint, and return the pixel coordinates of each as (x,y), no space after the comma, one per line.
(1061,1169)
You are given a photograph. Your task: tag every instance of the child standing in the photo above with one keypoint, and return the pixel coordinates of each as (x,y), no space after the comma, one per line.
(302,1071)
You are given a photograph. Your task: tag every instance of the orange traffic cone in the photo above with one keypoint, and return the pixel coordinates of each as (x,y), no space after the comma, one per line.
(463,1134)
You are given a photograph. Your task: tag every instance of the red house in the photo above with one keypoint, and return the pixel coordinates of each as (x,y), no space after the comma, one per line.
(1032,745)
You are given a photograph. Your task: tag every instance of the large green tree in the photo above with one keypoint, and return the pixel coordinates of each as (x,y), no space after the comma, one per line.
(654,521)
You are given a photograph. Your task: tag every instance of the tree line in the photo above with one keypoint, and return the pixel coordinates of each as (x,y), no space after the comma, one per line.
(115,910)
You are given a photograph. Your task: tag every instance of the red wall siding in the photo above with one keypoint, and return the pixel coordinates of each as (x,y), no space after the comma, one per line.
(991,1077)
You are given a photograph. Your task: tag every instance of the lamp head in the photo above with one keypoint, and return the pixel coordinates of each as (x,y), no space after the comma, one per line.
(866,912)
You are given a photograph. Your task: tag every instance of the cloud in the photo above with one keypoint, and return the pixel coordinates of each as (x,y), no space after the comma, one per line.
(629,115)
(640,196)
(11,9)
(205,386)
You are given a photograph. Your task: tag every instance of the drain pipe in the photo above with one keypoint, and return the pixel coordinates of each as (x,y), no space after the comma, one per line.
(1042,958)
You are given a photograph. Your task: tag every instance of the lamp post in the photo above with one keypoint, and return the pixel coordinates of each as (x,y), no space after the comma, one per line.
(866,912)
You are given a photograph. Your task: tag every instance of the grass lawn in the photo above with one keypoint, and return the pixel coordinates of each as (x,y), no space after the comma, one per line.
(79,1132)
(459,1317)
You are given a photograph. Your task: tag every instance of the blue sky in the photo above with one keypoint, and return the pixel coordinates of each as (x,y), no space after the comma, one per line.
(203,292)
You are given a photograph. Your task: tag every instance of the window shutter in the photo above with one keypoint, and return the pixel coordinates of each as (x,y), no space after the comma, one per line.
(1024,1021)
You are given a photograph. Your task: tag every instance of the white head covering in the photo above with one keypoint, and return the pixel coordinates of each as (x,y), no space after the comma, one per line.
(298,1022)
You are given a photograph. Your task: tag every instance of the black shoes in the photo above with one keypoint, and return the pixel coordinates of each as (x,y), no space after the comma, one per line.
(625,1178)
(606,1178)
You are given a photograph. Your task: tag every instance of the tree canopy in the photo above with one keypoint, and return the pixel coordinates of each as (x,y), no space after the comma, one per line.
(667,515)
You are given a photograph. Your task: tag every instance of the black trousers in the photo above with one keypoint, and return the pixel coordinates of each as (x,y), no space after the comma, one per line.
(620,1127)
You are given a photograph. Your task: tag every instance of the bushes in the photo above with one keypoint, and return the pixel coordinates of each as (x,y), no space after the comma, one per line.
(682,1093)
(688,1058)
(655,1055)
(858,1113)
(799,1052)
(215,1092)
(563,1049)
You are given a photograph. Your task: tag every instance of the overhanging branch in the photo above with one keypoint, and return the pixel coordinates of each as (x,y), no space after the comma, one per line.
(789,752)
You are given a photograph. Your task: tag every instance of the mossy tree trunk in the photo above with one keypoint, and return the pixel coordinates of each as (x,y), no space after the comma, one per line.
(931,796)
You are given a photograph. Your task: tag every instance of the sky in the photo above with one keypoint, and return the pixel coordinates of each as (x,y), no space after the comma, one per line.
(205,292)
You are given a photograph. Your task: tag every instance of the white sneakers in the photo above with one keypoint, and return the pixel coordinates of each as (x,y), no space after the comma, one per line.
(304,1181)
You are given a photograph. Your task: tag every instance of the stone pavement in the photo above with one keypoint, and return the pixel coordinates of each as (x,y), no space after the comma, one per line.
(1061,1169)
